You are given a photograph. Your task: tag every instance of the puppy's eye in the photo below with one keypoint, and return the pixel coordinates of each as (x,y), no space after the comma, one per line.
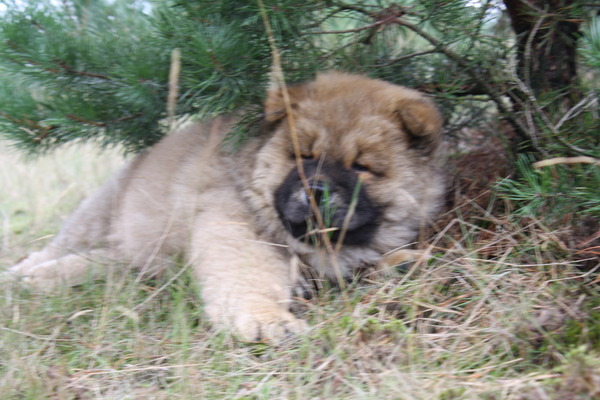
(359,167)
(303,156)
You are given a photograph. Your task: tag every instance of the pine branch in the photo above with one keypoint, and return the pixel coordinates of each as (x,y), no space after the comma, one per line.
(376,24)
(405,57)
(106,123)
(480,80)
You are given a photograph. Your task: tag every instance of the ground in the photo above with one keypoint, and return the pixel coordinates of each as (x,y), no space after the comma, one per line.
(502,311)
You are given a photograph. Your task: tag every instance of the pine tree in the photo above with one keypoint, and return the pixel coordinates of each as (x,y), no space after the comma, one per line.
(99,70)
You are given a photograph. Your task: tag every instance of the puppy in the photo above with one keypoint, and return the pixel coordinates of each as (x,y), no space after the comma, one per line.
(365,182)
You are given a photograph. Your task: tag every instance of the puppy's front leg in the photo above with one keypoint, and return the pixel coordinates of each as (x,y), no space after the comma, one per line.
(245,283)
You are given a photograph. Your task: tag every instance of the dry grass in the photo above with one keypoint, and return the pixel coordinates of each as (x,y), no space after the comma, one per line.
(36,193)
(500,313)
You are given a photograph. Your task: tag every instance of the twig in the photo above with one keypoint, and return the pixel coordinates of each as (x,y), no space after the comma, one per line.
(75,118)
(66,68)
(362,28)
(280,80)
(27,122)
(173,85)
(47,338)
(404,57)
(525,88)
(105,123)
(554,128)
(575,110)
(566,160)
(528,45)
(80,375)
(24,61)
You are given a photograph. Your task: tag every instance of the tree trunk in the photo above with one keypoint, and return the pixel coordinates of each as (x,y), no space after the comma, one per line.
(547,44)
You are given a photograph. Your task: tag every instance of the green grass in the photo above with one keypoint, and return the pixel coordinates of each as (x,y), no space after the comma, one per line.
(500,313)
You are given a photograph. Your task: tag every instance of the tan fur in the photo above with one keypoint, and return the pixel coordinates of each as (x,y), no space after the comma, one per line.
(186,196)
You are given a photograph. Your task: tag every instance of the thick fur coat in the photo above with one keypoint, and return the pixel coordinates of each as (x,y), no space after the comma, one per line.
(243,221)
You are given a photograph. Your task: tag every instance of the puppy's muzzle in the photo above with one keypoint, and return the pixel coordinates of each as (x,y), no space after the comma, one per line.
(335,205)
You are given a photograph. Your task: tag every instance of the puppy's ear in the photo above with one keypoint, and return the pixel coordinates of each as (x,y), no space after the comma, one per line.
(275,105)
(421,119)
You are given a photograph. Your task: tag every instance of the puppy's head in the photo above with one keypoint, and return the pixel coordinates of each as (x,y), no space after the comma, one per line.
(361,141)
(358,96)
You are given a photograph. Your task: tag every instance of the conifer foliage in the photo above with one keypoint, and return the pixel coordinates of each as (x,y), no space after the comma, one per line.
(98,70)
(80,72)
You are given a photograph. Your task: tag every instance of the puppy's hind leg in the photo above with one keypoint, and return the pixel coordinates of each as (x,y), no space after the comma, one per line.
(68,270)
(67,260)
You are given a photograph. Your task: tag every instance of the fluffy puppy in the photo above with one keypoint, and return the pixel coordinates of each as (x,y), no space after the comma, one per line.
(365,184)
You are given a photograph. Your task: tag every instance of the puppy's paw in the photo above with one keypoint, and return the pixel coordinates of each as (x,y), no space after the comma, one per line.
(51,274)
(271,324)
(43,276)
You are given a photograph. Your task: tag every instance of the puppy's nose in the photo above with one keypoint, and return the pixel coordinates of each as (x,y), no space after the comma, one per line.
(320,190)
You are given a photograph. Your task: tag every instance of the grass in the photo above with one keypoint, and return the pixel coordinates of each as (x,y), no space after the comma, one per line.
(501,312)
